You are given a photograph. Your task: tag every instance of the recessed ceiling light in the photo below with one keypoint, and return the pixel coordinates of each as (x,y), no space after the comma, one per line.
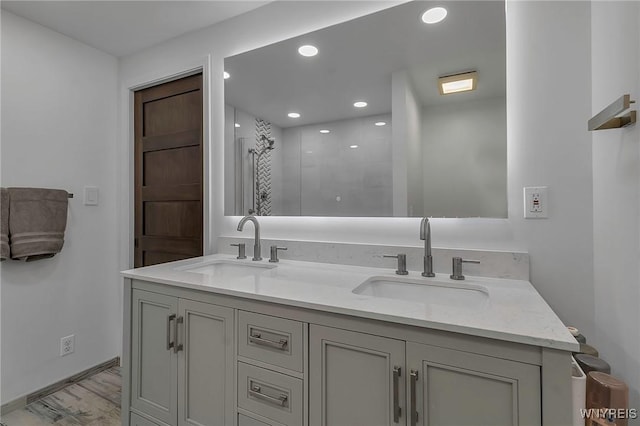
(309,152)
(293,115)
(458,83)
(308,50)
(325,131)
(226,75)
(380,123)
(353,146)
(434,15)
(237,125)
(360,104)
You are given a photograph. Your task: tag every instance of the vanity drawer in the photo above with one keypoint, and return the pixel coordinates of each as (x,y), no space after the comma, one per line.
(250,421)
(272,340)
(272,395)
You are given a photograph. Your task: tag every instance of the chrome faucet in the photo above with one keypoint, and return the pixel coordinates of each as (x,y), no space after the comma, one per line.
(256,242)
(425,234)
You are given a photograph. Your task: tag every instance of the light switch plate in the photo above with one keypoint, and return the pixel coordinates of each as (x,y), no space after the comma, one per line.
(536,202)
(90,196)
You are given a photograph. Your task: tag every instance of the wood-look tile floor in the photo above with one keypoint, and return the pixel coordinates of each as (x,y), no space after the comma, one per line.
(94,401)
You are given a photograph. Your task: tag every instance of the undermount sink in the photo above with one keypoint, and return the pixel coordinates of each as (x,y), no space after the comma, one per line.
(425,290)
(228,268)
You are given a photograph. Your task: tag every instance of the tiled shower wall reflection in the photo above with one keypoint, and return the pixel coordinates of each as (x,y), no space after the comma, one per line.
(346,172)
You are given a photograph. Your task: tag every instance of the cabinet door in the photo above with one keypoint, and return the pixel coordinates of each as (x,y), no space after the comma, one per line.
(205,364)
(352,380)
(154,386)
(460,388)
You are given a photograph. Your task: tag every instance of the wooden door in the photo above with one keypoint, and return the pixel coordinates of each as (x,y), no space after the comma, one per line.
(205,365)
(168,171)
(463,389)
(351,379)
(154,362)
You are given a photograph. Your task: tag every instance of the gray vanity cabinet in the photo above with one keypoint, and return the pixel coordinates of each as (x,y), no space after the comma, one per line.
(197,358)
(449,387)
(182,360)
(355,379)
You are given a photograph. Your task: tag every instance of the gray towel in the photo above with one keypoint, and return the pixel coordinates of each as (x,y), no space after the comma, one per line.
(4,229)
(37,220)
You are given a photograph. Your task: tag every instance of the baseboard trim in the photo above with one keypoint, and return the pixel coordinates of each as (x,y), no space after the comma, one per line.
(23,401)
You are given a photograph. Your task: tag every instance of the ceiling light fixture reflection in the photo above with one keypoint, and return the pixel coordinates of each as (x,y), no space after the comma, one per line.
(325,131)
(434,15)
(457,83)
(360,104)
(293,115)
(237,125)
(308,50)
(380,123)
(226,75)
(353,146)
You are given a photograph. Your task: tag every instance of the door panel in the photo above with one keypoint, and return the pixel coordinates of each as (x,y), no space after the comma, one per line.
(171,218)
(168,171)
(351,378)
(205,372)
(153,368)
(463,389)
(167,167)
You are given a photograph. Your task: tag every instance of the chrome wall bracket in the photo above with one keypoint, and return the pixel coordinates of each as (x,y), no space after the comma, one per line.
(607,118)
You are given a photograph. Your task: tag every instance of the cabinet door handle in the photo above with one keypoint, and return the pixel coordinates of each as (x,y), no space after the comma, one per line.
(169,319)
(177,347)
(397,412)
(256,392)
(414,409)
(259,340)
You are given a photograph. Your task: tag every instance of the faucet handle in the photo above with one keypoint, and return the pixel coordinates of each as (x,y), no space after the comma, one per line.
(241,250)
(274,253)
(457,267)
(402,263)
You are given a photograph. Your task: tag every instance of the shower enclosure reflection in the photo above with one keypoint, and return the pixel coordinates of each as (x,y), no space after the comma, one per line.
(260,167)
(251,143)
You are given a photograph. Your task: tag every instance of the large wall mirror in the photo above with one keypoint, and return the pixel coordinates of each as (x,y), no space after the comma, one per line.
(354,124)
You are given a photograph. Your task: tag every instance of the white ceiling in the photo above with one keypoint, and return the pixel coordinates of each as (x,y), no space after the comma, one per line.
(124,27)
(356,60)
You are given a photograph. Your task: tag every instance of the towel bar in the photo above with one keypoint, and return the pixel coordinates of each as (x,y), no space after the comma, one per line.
(606,119)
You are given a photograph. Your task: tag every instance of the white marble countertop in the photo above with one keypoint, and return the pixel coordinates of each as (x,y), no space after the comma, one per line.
(513,310)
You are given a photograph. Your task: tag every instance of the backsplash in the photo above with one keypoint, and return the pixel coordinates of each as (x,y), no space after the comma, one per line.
(495,264)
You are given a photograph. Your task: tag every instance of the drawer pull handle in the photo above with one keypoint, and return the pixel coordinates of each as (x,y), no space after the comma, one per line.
(255,391)
(258,340)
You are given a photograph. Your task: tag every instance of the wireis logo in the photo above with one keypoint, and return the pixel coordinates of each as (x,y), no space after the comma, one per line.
(610,415)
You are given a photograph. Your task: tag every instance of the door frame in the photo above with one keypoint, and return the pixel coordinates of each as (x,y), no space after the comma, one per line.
(126,215)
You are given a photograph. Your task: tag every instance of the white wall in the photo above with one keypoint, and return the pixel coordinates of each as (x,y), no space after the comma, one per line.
(464,159)
(549,59)
(59,124)
(548,99)
(616,193)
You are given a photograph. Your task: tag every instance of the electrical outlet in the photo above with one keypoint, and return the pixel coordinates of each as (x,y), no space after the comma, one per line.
(535,202)
(67,345)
